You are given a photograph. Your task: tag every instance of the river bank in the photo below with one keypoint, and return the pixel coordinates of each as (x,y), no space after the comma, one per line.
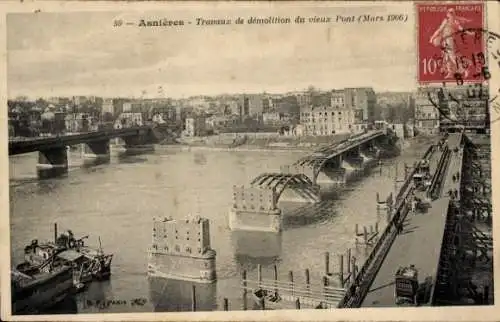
(241,148)
(311,147)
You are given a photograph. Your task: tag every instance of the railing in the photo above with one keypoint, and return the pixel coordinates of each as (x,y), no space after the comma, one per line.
(432,297)
(429,152)
(439,175)
(409,177)
(450,216)
(357,291)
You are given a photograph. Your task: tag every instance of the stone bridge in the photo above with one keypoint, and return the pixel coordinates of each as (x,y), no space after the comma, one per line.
(256,207)
(52,151)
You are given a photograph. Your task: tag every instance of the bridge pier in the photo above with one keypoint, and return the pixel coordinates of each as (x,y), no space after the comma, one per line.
(97,152)
(353,163)
(255,209)
(369,154)
(52,163)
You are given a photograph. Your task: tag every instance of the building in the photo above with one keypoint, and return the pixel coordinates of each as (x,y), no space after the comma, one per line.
(181,250)
(363,101)
(127,107)
(53,122)
(220,121)
(348,110)
(79,100)
(167,112)
(126,120)
(199,102)
(233,107)
(303,99)
(267,104)
(298,130)
(270,118)
(288,107)
(78,122)
(244,107)
(118,106)
(327,120)
(464,107)
(426,114)
(108,106)
(395,106)
(255,105)
(320,99)
(195,126)
(337,99)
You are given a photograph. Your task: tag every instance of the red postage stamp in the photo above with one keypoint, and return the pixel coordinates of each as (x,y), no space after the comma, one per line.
(451,45)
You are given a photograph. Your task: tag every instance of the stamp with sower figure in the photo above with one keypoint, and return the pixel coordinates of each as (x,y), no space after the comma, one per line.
(450,47)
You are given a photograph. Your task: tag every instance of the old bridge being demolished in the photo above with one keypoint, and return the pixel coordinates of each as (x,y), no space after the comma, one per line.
(255,207)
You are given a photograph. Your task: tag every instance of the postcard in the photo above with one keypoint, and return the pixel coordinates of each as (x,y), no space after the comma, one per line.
(250,160)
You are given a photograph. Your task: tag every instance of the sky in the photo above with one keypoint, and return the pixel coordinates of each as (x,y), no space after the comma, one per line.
(82,53)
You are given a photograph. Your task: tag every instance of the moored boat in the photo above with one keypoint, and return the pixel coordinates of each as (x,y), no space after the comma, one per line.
(89,263)
(39,289)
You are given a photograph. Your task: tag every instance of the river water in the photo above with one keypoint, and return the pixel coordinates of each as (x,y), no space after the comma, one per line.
(118,201)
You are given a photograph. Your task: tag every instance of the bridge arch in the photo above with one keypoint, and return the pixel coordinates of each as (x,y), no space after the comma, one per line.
(278,182)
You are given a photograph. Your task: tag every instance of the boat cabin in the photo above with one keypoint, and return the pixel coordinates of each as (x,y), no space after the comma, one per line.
(71,257)
(38,253)
(68,240)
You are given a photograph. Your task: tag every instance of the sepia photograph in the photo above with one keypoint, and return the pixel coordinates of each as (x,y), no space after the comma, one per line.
(249,157)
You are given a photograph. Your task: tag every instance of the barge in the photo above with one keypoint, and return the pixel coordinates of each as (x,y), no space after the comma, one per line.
(39,289)
(88,263)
